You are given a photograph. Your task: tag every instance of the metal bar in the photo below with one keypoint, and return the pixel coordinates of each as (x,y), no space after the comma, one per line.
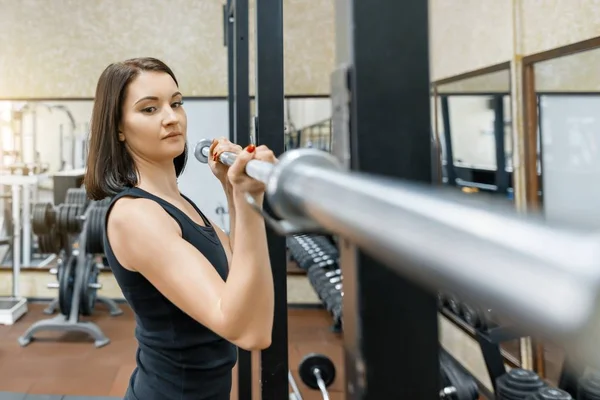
(26,224)
(376,39)
(16,236)
(450,169)
(230,89)
(545,279)
(239,108)
(256,169)
(502,178)
(270,125)
(241,84)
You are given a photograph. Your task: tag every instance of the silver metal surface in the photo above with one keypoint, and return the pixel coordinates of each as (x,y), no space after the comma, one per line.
(16,244)
(256,169)
(545,279)
(321,384)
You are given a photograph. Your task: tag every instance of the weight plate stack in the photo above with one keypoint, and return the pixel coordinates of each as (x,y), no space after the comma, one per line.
(66,286)
(88,289)
(95,230)
(77,196)
(588,387)
(549,393)
(68,219)
(104,202)
(42,218)
(517,384)
(465,386)
(50,243)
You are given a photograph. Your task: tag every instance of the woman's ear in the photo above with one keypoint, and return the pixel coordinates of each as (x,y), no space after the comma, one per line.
(121,137)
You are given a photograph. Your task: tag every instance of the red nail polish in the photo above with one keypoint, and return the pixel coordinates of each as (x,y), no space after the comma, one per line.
(250,148)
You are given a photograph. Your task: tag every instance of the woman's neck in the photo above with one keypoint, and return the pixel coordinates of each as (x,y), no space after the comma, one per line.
(158,179)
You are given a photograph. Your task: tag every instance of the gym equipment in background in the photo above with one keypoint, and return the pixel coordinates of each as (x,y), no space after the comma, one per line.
(78,225)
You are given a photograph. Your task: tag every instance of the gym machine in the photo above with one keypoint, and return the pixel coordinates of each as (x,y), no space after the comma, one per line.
(74,231)
(268,126)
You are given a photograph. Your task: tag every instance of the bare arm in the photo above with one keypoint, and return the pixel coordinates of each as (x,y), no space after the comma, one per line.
(239,310)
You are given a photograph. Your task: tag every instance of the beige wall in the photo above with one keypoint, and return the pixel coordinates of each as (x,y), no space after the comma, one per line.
(59,49)
(547,24)
(573,73)
(467,35)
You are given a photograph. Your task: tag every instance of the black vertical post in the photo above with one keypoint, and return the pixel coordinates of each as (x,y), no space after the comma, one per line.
(228,41)
(390,325)
(450,171)
(241,62)
(501,173)
(239,131)
(270,129)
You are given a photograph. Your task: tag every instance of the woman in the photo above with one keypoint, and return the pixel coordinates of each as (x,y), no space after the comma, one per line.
(197,294)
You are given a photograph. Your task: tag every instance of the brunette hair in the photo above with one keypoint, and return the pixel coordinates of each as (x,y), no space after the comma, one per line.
(110,167)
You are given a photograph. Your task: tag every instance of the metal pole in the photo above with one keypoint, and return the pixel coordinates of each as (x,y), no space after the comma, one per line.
(269,126)
(26,224)
(16,245)
(238,67)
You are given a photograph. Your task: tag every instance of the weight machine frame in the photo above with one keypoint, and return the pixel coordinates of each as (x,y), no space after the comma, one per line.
(235,39)
(71,322)
(268,126)
(381,86)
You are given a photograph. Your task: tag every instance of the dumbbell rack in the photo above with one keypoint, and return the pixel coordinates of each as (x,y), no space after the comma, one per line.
(489,335)
(71,322)
(319,258)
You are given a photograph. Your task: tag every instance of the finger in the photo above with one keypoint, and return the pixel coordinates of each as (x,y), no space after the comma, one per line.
(243,157)
(211,149)
(265,154)
(225,147)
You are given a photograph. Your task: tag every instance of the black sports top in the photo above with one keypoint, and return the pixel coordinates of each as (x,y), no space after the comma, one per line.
(177,357)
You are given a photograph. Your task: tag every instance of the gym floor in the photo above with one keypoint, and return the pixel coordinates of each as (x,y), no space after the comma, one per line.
(67,366)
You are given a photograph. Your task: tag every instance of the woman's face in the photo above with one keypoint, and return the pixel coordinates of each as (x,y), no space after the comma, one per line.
(154,123)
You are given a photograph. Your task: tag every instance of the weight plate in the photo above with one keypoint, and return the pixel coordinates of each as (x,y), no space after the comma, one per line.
(77,196)
(88,294)
(65,286)
(307,367)
(42,218)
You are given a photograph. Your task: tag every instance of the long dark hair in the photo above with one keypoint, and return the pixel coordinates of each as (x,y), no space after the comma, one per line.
(110,167)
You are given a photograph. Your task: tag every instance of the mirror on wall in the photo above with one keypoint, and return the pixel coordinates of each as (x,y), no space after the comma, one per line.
(568,95)
(567,92)
(474,132)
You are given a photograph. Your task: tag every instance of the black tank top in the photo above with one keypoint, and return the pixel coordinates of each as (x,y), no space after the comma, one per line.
(177,357)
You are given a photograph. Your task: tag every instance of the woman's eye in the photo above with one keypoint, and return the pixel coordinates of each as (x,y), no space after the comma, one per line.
(177,104)
(148,109)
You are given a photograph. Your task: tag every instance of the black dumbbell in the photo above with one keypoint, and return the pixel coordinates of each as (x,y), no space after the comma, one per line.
(517,384)
(549,393)
(317,372)
(588,387)
(473,316)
